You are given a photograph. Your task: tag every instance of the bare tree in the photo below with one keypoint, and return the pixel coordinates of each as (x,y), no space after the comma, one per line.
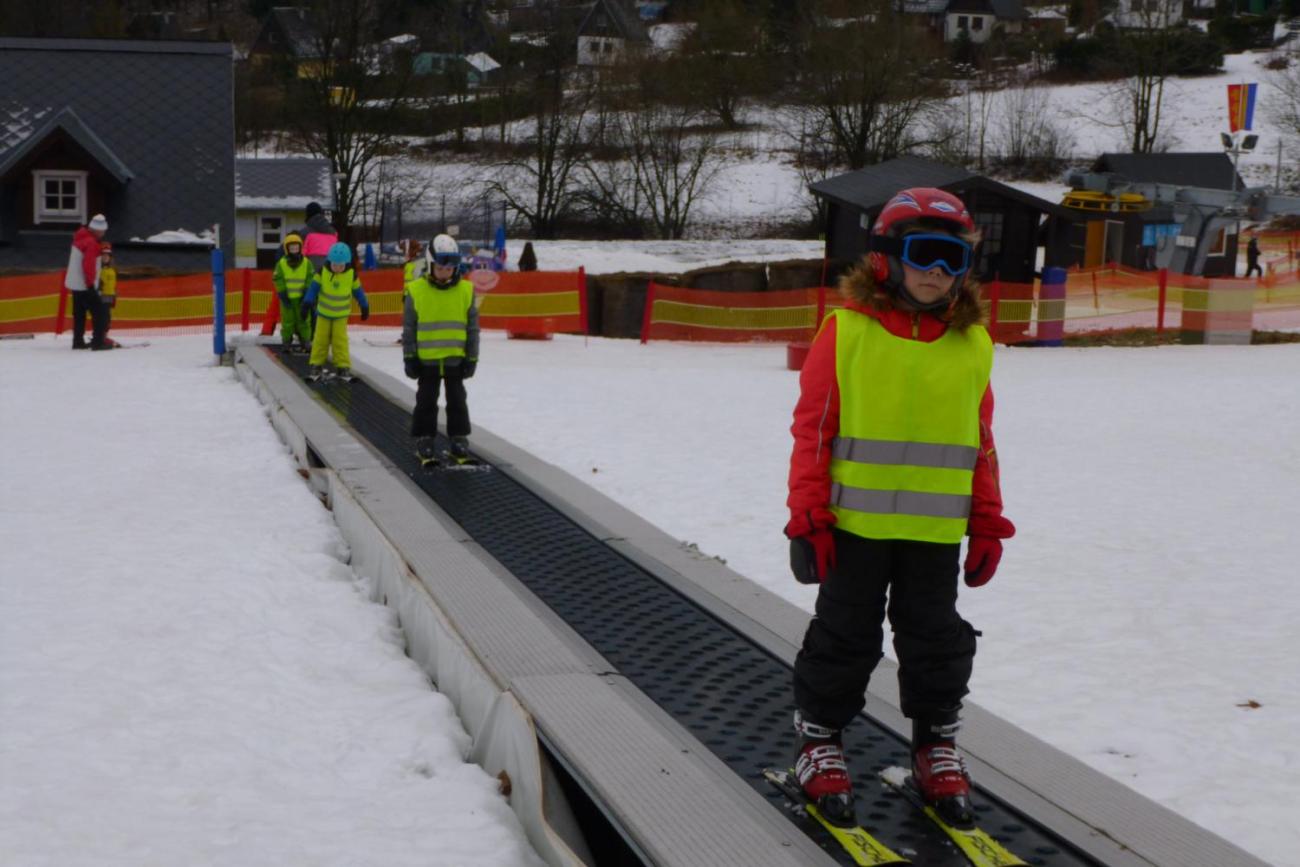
(672,163)
(1026,132)
(718,58)
(1283,101)
(345,109)
(1151,59)
(538,184)
(865,83)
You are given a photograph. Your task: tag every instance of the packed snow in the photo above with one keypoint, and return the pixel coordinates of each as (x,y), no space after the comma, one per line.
(190,672)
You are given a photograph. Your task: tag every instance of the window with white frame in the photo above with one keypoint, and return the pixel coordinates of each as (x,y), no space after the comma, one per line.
(962,22)
(60,197)
(270,230)
(977,22)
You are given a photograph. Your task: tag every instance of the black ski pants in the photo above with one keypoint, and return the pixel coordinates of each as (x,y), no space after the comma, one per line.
(424,421)
(88,303)
(915,583)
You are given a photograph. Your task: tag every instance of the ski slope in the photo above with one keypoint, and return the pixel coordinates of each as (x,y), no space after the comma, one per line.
(190,674)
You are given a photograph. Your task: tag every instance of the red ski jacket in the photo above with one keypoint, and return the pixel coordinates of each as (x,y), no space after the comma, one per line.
(817,421)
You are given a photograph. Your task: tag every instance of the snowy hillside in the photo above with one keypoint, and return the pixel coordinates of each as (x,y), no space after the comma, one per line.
(759,187)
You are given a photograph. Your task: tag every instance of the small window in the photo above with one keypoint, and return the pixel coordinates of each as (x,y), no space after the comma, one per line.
(977,22)
(1219,246)
(60,197)
(963,22)
(270,230)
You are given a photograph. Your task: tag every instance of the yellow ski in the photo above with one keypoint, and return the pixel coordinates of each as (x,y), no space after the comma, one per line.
(861,846)
(978,847)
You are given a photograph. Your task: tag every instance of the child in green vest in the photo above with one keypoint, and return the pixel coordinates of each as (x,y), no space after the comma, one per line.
(893,464)
(330,295)
(440,345)
(293,273)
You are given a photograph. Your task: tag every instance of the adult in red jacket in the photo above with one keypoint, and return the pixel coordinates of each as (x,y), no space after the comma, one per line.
(82,280)
(893,463)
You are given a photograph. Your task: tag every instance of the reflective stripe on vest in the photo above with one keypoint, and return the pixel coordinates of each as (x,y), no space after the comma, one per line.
(335,298)
(903,463)
(295,279)
(442,318)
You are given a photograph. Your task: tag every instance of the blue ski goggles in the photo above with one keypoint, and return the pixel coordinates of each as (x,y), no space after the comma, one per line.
(446,260)
(924,251)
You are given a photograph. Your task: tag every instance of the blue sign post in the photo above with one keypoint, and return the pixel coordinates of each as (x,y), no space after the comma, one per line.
(218,302)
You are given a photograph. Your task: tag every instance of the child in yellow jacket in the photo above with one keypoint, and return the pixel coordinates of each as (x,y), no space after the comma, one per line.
(107,285)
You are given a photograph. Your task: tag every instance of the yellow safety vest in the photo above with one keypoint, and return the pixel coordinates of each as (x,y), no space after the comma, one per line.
(335,299)
(295,279)
(903,462)
(442,318)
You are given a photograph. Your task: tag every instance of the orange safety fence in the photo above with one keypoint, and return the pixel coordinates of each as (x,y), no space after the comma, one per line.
(180,304)
(521,302)
(527,302)
(536,302)
(676,313)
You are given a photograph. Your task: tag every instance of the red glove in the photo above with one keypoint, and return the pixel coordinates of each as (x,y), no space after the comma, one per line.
(982,557)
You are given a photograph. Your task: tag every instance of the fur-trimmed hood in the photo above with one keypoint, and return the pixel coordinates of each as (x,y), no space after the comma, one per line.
(859,285)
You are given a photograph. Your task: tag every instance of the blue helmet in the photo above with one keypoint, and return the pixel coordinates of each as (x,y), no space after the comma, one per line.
(339,253)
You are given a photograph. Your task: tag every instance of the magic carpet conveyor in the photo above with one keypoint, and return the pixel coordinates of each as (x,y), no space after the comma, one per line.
(629,688)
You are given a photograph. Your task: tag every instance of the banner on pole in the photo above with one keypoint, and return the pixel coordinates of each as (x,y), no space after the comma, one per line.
(1241,106)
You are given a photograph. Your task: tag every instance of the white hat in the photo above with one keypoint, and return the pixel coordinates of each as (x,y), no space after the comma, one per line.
(99,223)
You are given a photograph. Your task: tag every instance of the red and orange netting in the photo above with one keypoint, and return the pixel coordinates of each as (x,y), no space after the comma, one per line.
(675,313)
(535,302)
(1110,298)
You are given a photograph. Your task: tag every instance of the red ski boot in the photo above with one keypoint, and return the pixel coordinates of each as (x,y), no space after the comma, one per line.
(822,772)
(939,771)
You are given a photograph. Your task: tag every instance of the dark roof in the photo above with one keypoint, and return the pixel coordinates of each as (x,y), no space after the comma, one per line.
(873,186)
(282,183)
(299,29)
(623,21)
(1213,169)
(163,110)
(1003,10)
(870,188)
(23,128)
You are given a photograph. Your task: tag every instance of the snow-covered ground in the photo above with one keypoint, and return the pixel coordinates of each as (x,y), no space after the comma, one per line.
(190,674)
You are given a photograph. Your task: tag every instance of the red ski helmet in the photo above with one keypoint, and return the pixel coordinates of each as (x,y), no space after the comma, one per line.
(905,208)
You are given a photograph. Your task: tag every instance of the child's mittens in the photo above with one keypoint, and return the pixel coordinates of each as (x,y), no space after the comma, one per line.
(983,554)
(365,313)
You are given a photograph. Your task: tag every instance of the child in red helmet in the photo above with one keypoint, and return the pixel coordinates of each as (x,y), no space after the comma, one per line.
(893,464)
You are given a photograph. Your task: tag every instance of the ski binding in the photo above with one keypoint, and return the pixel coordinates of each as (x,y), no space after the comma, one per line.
(977,845)
(862,847)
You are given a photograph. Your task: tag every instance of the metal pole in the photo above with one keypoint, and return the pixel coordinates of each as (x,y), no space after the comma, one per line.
(1277,178)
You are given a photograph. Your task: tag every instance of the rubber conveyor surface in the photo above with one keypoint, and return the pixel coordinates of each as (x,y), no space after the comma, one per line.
(730,694)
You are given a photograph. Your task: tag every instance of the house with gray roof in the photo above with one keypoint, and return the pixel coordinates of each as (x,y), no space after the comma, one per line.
(978,19)
(140,131)
(271,196)
(288,35)
(610,28)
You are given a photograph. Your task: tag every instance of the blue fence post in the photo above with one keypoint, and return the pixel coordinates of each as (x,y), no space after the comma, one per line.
(218,302)
(1051,308)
